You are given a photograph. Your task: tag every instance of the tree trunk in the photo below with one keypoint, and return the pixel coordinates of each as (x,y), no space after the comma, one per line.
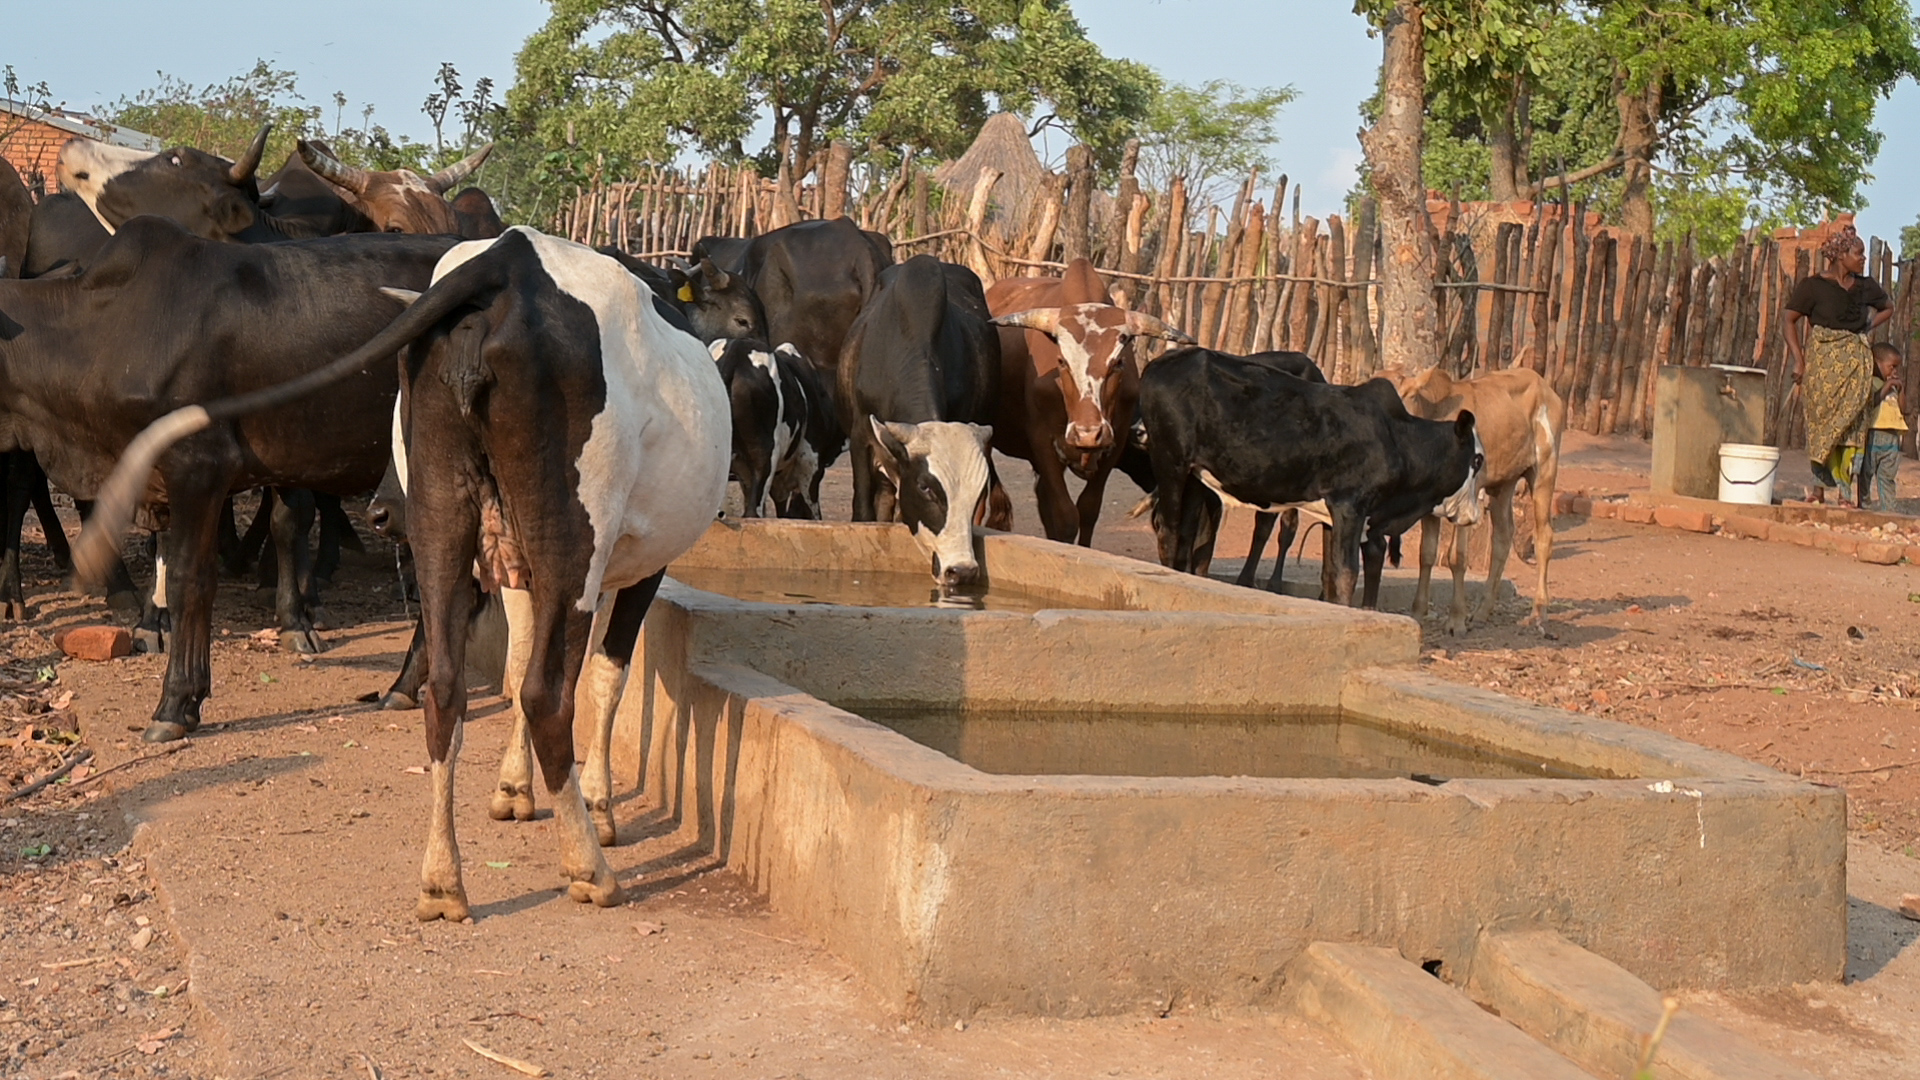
(833,185)
(1410,320)
(1076,241)
(1503,140)
(1639,110)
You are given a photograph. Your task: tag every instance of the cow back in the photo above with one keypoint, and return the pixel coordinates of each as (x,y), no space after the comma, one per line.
(813,278)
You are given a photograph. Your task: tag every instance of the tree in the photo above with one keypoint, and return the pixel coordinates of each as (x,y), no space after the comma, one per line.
(643,80)
(1409,317)
(222,118)
(1208,134)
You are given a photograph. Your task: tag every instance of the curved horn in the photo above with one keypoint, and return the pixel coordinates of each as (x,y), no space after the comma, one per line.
(331,170)
(1044,319)
(242,170)
(459,170)
(1142,325)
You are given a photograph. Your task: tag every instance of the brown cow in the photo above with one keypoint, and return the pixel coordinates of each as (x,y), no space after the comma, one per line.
(403,200)
(1520,419)
(1066,387)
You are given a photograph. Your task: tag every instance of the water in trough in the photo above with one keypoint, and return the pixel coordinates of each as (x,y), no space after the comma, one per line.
(1304,743)
(861,588)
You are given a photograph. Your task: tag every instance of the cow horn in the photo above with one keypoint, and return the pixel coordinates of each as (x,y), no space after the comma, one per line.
(713,277)
(1045,319)
(1143,325)
(333,171)
(459,170)
(242,170)
(405,296)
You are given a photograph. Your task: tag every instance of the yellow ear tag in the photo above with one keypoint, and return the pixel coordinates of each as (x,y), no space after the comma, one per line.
(686,294)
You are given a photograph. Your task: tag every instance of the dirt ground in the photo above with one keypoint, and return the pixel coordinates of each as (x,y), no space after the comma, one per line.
(275,858)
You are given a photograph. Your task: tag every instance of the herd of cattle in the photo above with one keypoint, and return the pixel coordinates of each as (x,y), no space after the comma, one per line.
(563,422)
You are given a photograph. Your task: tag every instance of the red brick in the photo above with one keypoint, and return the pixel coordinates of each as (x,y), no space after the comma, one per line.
(1752,528)
(1880,554)
(1833,541)
(96,642)
(1637,514)
(1673,517)
(1913,554)
(1793,534)
(1563,502)
(1580,506)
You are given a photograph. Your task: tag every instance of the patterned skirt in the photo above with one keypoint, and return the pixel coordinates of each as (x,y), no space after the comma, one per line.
(1838,382)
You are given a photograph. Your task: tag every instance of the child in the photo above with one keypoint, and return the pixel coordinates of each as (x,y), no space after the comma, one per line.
(1889,409)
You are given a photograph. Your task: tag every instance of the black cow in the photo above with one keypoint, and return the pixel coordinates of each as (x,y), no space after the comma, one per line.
(812,277)
(717,304)
(62,235)
(162,318)
(16,218)
(918,373)
(541,377)
(784,432)
(1243,431)
(299,196)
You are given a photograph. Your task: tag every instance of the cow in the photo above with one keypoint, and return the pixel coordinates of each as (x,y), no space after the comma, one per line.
(162,318)
(61,236)
(813,278)
(1519,418)
(1264,438)
(301,196)
(565,437)
(1066,387)
(916,382)
(784,433)
(16,218)
(404,201)
(716,303)
(205,193)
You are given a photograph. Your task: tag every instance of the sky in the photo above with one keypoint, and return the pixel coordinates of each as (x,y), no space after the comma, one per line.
(386,54)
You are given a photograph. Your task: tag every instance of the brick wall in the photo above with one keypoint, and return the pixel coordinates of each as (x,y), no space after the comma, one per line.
(33,148)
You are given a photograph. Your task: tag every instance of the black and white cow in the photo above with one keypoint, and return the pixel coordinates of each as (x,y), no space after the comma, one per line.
(1221,426)
(784,433)
(918,373)
(560,434)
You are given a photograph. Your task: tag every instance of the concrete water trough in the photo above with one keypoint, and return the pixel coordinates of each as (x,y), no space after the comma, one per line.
(1118,788)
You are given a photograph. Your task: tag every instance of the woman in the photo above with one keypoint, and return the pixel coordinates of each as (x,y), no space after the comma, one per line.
(1832,361)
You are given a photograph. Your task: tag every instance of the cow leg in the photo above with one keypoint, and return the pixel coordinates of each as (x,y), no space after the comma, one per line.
(155,625)
(121,592)
(1457,562)
(444,569)
(1207,511)
(292,521)
(1262,529)
(1089,502)
(601,685)
(1500,511)
(1540,488)
(546,697)
(336,532)
(1373,557)
(1289,528)
(999,506)
(1057,517)
(255,541)
(1339,563)
(14,499)
(513,798)
(232,563)
(1429,555)
(192,574)
(864,480)
(42,498)
(405,691)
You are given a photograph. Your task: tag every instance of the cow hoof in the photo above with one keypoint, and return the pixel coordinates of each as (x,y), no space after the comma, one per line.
(1456,627)
(448,904)
(149,641)
(609,894)
(13,611)
(605,829)
(302,641)
(318,616)
(125,601)
(511,803)
(165,731)
(395,701)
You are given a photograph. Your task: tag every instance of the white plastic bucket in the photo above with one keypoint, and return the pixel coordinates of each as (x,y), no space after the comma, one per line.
(1746,473)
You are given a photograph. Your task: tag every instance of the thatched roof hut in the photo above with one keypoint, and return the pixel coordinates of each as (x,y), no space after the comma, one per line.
(1002,144)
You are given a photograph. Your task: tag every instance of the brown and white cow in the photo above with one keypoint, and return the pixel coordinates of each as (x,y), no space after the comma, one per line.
(1520,419)
(404,201)
(1067,388)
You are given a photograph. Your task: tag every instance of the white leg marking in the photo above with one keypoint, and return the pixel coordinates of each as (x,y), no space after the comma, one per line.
(601,682)
(160,581)
(442,895)
(513,798)
(586,867)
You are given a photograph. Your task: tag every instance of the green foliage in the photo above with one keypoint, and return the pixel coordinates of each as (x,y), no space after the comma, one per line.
(1212,134)
(221,118)
(1910,241)
(645,80)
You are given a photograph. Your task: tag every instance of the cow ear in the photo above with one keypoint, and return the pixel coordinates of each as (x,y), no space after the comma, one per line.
(1463,426)
(234,215)
(787,348)
(891,437)
(984,433)
(718,349)
(682,285)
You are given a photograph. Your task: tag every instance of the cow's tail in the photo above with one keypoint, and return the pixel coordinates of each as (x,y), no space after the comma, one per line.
(98,549)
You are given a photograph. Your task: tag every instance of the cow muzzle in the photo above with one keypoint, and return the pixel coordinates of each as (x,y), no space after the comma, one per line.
(388,521)
(1090,438)
(952,576)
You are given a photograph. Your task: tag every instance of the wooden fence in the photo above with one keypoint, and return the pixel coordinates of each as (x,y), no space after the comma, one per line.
(1535,285)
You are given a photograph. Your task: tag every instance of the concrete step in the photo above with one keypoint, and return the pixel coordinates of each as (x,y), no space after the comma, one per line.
(1404,1023)
(1596,1012)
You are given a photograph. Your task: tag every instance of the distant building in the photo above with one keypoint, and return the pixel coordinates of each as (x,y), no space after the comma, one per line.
(31,139)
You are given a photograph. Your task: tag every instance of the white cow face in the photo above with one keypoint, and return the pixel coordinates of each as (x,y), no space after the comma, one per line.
(1463,506)
(939,470)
